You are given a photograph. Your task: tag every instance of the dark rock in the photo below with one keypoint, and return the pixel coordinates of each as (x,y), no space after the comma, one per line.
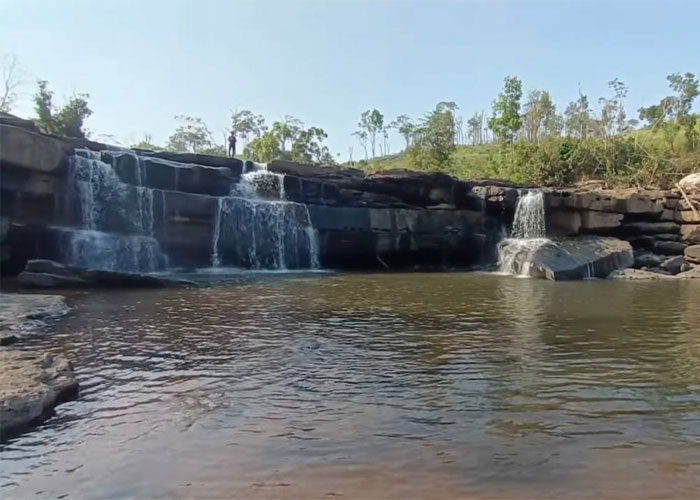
(647,259)
(42,273)
(635,228)
(565,258)
(233,164)
(692,254)
(669,247)
(315,171)
(16,121)
(673,265)
(22,148)
(7,339)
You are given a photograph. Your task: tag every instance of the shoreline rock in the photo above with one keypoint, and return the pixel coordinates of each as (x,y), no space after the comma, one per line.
(32,383)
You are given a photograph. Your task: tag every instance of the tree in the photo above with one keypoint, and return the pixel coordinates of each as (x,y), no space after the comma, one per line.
(11,81)
(578,117)
(371,122)
(287,130)
(434,143)
(506,120)
(404,126)
(245,124)
(65,120)
(613,119)
(539,113)
(475,128)
(308,147)
(362,138)
(264,148)
(191,136)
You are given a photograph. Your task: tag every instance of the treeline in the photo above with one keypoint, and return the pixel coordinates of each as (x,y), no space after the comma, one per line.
(532,142)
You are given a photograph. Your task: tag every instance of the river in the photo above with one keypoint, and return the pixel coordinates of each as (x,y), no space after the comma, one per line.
(373,386)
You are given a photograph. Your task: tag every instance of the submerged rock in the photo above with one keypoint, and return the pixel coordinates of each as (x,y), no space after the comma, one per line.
(566,258)
(49,274)
(31,385)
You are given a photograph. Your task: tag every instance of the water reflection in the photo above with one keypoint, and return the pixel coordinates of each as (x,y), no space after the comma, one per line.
(479,385)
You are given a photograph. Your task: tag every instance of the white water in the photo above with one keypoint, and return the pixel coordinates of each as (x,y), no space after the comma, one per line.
(527,236)
(259,229)
(117,219)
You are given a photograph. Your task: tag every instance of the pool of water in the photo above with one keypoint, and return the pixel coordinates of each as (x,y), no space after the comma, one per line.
(367,386)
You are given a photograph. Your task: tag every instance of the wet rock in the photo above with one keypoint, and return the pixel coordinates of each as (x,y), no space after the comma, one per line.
(669,247)
(31,385)
(49,274)
(566,258)
(692,254)
(647,259)
(668,237)
(673,265)
(693,273)
(23,148)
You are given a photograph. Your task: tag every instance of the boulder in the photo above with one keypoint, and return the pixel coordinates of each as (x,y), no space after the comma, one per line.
(692,254)
(31,385)
(42,273)
(690,233)
(647,259)
(690,183)
(565,258)
(668,247)
(674,265)
(23,148)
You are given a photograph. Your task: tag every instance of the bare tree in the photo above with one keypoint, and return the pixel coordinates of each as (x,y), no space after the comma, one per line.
(11,81)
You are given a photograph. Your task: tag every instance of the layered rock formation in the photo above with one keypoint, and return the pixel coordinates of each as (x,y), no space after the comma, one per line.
(89,205)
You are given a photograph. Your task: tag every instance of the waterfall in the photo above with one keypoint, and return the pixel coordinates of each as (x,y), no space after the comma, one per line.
(527,236)
(529,216)
(257,228)
(117,219)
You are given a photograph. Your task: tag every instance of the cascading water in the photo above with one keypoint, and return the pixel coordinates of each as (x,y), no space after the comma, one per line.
(527,235)
(259,229)
(117,219)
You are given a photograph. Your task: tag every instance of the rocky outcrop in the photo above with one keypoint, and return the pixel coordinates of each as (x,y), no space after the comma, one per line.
(29,150)
(565,258)
(31,385)
(690,184)
(49,274)
(692,254)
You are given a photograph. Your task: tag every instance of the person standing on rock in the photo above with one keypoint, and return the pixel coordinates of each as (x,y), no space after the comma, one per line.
(232,144)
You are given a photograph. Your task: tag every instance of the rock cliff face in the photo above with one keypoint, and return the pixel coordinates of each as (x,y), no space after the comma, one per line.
(89,205)
(93,206)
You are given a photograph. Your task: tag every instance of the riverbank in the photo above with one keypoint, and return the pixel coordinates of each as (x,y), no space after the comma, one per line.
(32,383)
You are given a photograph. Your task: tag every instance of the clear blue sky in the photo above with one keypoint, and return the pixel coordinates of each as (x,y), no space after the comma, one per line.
(145,61)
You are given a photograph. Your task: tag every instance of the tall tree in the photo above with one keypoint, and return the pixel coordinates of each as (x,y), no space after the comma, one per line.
(362,137)
(434,143)
(65,120)
(287,130)
(578,117)
(404,126)
(372,122)
(475,128)
(246,125)
(506,120)
(191,136)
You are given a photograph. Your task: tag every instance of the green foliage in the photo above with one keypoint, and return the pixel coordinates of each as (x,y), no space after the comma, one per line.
(191,136)
(404,126)
(67,120)
(245,124)
(506,120)
(305,145)
(371,123)
(434,140)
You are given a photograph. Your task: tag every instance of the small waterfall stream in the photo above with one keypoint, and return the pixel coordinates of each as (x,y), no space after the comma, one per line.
(257,228)
(527,235)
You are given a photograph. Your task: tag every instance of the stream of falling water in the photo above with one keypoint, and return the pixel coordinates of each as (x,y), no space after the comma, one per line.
(256,227)
(527,235)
